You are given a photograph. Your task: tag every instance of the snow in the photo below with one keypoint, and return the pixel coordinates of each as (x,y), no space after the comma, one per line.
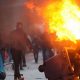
(30,72)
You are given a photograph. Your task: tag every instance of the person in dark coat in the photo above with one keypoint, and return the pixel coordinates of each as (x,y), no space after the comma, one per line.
(46,46)
(18,43)
(56,65)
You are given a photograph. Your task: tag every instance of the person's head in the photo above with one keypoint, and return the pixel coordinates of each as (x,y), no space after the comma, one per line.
(19,25)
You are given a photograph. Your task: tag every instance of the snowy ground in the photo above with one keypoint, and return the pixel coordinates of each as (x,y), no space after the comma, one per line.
(30,72)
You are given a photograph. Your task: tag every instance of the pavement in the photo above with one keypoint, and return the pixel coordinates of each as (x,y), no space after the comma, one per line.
(30,72)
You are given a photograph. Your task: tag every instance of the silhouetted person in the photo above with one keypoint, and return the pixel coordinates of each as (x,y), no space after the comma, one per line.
(18,44)
(46,46)
(55,62)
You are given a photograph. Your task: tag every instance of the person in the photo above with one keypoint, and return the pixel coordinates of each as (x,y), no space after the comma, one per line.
(46,46)
(18,43)
(53,61)
(35,45)
(2,69)
(57,68)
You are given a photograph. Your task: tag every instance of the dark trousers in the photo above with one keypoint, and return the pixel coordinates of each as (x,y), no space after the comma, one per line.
(35,52)
(16,55)
(46,53)
(23,59)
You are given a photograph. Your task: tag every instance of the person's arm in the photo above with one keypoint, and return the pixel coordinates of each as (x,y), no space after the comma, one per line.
(28,43)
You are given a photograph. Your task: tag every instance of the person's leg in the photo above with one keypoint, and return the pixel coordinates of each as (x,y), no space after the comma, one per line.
(21,60)
(10,54)
(44,54)
(24,60)
(16,71)
(15,55)
(2,51)
(35,52)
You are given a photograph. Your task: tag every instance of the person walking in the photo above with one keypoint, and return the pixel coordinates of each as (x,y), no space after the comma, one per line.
(18,43)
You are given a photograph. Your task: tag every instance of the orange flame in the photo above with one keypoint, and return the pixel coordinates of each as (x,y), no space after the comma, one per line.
(63,17)
(30,5)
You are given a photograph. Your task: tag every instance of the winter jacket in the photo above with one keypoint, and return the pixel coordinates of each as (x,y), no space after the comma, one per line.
(56,67)
(18,40)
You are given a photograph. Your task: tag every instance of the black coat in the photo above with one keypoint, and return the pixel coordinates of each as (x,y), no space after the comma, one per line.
(18,40)
(56,67)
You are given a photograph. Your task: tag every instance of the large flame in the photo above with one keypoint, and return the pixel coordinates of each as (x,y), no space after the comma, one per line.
(62,17)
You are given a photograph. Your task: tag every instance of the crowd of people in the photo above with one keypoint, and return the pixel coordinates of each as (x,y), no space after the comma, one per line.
(16,49)
(56,63)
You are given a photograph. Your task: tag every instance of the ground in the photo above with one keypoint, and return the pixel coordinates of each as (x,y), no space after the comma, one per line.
(30,72)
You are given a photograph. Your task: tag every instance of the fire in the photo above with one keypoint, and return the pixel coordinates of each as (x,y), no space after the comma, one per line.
(30,5)
(62,17)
